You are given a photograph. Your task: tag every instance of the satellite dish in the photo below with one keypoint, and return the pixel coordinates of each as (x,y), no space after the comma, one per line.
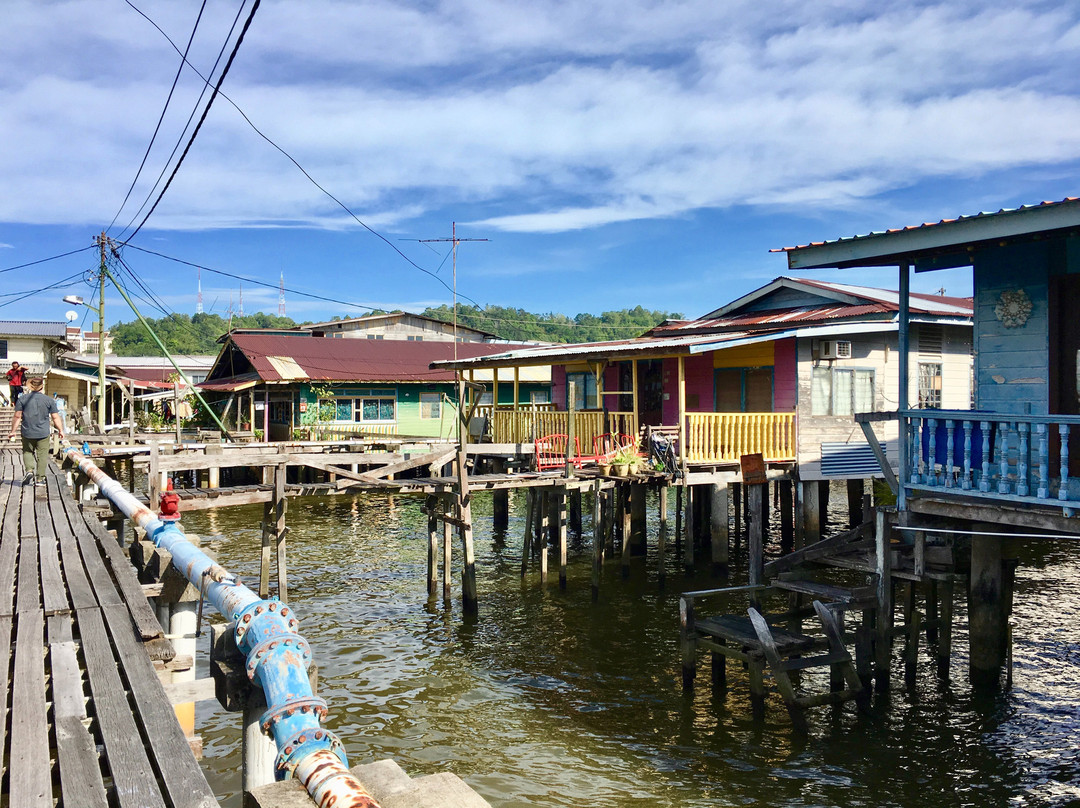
(71,316)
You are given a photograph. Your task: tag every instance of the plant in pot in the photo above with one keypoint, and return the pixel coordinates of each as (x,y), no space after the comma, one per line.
(623,461)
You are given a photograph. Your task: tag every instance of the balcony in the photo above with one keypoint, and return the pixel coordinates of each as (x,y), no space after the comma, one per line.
(1020,459)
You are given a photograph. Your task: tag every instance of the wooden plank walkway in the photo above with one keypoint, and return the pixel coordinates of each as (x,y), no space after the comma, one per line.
(87,722)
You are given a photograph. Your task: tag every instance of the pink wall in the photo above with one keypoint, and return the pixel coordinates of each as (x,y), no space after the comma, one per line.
(785,376)
(699,383)
(558,386)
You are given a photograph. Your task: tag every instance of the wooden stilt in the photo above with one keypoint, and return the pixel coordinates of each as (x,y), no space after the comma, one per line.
(598,540)
(756,538)
(718,527)
(661,541)
(448,543)
(737,500)
(280,531)
(884,619)
(688,546)
(561,497)
(944,648)
(627,529)
(786,498)
(527,539)
(433,546)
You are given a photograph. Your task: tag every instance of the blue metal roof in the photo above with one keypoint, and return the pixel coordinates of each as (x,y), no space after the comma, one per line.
(33,328)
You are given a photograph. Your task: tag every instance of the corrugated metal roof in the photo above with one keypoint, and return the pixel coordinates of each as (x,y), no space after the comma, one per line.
(33,328)
(356,360)
(928,225)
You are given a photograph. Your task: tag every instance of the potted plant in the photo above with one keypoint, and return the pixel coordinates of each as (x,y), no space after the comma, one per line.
(623,460)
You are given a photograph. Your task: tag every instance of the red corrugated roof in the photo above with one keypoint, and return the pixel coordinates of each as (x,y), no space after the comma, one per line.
(359,360)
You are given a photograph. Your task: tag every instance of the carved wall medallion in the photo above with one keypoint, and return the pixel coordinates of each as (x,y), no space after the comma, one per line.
(1013,309)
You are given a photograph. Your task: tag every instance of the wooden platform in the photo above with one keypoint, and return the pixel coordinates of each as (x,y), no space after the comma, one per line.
(88,724)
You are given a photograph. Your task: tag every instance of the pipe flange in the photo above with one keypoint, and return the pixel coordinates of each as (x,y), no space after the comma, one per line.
(261,651)
(302,744)
(290,708)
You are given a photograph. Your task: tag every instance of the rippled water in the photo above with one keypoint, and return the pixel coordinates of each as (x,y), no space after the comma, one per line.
(550,699)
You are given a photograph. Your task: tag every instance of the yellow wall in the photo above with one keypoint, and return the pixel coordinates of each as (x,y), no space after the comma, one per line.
(759,354)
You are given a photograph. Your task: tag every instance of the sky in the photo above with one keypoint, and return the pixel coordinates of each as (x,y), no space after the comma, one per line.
(604,154)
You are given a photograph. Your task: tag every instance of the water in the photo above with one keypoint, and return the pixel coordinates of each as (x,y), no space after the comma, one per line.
(550,699)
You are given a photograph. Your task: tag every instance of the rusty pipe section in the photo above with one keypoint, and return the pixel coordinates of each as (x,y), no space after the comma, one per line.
(277,656)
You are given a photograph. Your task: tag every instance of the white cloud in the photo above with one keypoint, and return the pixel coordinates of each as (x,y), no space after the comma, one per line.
(555,116)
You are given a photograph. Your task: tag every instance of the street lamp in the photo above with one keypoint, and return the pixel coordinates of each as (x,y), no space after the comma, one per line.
(75,300)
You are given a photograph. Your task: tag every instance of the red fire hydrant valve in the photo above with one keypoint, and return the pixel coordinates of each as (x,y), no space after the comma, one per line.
(169,507)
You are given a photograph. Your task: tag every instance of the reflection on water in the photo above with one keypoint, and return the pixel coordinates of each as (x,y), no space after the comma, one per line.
(550,699)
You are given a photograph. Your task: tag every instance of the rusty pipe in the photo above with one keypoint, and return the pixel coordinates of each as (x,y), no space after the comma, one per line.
(277,656)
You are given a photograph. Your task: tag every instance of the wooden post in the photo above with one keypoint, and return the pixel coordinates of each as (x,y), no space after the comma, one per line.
(638,520)
(433,545)
(688,517)
(944,648)
(718,526)
(214,474)
(280,530)
(661,541)
(627,526)
(569,471)
(575,511)
(811,511)
(265,550)
(448,544)
(787,514)
(544,532)
(153,478)
(756,538)
(678,515)
(882,535)
(527,540)
(259,752)
(854,502)
(986,612)
(468,565)
(562,537)
(737,500)
(500,500)
(634,394)
(598,540)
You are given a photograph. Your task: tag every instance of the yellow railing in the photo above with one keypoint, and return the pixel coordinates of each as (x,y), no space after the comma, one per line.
(525,426)
(344,431)
(724,436)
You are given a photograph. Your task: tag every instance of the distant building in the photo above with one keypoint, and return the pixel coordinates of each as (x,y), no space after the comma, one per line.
(33,344)
(398,326)
(87,341)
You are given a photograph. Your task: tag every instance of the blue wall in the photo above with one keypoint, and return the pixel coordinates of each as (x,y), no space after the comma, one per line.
(1011,364)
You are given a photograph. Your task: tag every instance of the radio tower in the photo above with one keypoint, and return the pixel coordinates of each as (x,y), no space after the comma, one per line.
(281,296)
(198,299)
(240,313)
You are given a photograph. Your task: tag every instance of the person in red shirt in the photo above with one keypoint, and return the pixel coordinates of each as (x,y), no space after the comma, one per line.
(16,379)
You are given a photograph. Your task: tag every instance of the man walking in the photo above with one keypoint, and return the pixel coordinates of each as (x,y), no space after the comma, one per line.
(33,414)
(16,378)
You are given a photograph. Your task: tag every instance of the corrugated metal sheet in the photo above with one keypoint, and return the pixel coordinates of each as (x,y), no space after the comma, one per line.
(357,360)
(928,225)
(33,328)
(850,460)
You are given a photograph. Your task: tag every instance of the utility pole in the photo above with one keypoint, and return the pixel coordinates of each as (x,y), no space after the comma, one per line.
(103,241)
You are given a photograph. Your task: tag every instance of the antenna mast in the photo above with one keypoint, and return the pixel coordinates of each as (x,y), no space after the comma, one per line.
(281,296)
(456,241)
(198,298)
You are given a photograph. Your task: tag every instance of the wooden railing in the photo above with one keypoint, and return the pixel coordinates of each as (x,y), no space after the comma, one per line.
(344,431)
(725,436)
(525,426)
(1014,457)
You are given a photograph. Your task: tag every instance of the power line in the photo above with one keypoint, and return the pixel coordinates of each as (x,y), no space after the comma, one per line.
(50,258)
(198,126)
(195,106)
(304,171)
(161,117)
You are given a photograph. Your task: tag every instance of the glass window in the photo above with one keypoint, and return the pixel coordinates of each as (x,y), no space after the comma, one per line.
(430,405)
(585,397)
(821,391)
(374,409)
(343,409)
(930,385)
(841,390)
(864,391)
(3,349)
(540,397)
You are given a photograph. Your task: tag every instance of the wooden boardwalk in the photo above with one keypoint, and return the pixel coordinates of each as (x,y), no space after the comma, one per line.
(87,721)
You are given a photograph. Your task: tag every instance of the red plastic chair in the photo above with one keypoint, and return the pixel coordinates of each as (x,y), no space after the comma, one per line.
(607,445)
(551,452)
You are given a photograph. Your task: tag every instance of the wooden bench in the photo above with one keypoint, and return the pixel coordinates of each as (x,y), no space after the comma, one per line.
(758,639)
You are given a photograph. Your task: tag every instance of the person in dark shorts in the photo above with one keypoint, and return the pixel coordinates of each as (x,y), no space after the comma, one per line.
(35,413)
(16,378)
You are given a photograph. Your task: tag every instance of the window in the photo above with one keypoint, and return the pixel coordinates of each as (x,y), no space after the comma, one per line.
(374,409)
(431,405)
(3,349)
(416,338)
(338,335)
(374,336)
(743,390)
(841,391)
(540,397)
(585,397)
(930,385)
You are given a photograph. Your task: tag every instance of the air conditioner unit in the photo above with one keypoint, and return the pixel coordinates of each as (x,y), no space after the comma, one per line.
(835,349)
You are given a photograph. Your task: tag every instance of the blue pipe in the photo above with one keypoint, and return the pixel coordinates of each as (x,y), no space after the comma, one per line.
(277,656)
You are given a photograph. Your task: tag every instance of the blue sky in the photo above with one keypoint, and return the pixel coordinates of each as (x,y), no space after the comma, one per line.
(613,153)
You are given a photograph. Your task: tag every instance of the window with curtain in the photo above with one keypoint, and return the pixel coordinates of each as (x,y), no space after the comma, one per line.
(841,391)
(585,397)
(375,409)
(930,385)
(431,405)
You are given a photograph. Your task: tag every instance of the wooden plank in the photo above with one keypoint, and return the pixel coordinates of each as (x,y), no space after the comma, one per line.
(80,775)
(29,771)
(432,458)
(180,773)
(6,648)
(53,591)
(78,587)
(27,590)
(96,571)
(124,751)
(879,454)
(9,548)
